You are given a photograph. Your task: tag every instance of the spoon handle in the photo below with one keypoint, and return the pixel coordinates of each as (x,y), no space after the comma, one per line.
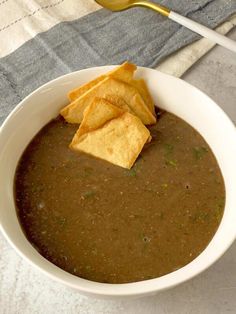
(203,30)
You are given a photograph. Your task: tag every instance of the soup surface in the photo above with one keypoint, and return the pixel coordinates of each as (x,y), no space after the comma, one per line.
(108,224)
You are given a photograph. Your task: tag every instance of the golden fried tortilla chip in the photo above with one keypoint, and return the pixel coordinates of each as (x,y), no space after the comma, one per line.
(73,113)
(124,72)
(142,88)
(97,114)
(119,102)
(118,141)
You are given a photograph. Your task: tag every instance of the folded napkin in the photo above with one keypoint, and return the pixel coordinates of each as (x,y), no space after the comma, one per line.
(101,37)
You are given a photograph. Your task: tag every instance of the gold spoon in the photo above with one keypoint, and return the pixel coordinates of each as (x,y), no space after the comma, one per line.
(120,5)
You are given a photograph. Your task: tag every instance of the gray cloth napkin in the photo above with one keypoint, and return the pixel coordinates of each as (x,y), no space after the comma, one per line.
(139,35)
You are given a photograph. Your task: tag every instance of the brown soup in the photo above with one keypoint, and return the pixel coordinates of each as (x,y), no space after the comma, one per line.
(104,223)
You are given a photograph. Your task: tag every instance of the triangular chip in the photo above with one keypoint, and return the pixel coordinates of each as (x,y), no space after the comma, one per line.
(124,72)
(119,102)
(73,113)
(142,88)
(97,114)
(119,141)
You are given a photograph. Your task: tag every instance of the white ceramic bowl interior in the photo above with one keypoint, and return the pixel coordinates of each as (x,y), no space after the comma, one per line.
(171,94)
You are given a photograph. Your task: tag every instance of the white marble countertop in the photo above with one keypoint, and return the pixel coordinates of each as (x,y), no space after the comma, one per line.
(25,290)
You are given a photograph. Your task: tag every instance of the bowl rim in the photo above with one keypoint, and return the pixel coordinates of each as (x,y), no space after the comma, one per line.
(126,289)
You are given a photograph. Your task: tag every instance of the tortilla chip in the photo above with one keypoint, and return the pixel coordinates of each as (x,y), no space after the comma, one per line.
(142,88)
(124,72)
(73,113)
(79,91)
(97,114)
(119,102)
(119,141)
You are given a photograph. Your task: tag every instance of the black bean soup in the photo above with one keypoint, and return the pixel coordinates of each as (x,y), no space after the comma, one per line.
(107,224)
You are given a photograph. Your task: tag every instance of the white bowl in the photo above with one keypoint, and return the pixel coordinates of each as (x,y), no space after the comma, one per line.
(171,94)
